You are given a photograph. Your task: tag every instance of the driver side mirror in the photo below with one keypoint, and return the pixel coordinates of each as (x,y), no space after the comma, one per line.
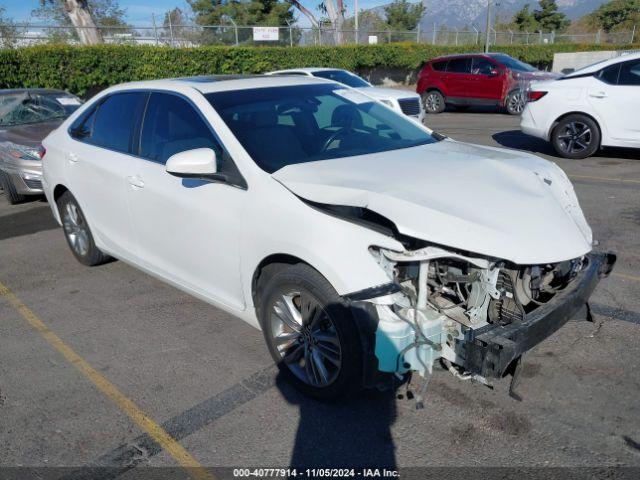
(196,163)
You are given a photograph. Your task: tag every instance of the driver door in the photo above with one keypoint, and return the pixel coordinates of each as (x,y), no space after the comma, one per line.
(188,229)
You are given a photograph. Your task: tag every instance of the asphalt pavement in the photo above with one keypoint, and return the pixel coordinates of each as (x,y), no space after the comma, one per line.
(205,378)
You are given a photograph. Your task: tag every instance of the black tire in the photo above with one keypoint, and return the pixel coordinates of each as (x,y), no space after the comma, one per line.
(576,136)
(433,101)
(514,103)
(335,337)
(77,232)
(13,197)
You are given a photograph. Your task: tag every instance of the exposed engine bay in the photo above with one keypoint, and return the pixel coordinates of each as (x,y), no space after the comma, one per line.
(446,300)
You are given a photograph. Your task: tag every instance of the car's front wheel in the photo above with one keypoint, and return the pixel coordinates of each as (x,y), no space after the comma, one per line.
(576,136)
(433,101)
(515,102)
(310,332)
(78,233)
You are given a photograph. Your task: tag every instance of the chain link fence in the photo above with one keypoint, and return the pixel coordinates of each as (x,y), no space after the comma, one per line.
(19,35)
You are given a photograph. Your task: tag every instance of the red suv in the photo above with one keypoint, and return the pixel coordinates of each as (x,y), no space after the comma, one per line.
(476,79)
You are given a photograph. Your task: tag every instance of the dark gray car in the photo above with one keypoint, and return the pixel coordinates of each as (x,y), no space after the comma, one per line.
(26,117)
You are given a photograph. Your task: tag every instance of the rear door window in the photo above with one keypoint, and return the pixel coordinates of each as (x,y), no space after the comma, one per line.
(459,65)
(630,73)
(172,125)
(116,119)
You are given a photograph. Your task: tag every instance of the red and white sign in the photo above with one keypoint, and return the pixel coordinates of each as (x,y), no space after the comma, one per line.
(265,34)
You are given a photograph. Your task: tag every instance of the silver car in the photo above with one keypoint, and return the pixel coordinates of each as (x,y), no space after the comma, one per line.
(26,117)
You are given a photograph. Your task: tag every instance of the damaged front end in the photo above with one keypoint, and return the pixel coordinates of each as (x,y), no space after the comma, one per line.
(477,315)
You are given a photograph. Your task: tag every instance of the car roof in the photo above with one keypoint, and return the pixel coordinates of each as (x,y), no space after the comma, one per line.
(625,56)
(217,83)
(307,70)
(15,91)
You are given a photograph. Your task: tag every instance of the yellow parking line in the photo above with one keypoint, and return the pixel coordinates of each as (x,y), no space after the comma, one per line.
(627,277)
(169,444)
(607,179)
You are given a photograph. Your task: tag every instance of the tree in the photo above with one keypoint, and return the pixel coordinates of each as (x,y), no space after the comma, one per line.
(247,12)
(523,20)
(8,30)
(616,15)
(103,13)
(79,15)
(403,15)
(549,18)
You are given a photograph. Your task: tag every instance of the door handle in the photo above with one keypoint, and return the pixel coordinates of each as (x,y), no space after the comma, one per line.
(72,157)
(598,95)
(136,181)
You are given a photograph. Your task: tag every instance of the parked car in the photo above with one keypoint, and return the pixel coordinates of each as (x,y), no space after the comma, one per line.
(362,244)
(26,117)
(400,100)
(597,106)
(492,79)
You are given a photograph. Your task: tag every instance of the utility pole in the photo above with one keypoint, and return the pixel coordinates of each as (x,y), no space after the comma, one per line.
(356,19)
(488,32)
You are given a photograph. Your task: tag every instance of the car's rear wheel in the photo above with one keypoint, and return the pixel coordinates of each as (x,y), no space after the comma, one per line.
(433,101)
(10,191)
(576,136)
(310,332)
(78,233)
(515,102)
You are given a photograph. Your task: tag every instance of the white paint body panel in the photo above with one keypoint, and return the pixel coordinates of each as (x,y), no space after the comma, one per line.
(614,107)
(208,239)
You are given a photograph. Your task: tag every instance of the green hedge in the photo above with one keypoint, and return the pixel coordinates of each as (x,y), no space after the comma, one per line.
(86,69)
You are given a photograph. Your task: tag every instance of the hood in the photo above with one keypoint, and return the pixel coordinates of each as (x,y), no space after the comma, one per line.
(30,135)
(381,93)
(489,201)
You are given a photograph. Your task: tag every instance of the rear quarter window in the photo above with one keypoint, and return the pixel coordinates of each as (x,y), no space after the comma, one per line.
(440,66)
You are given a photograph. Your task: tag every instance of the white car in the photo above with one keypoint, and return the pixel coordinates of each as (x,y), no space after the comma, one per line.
(597,106)
(363,245)
(403,101)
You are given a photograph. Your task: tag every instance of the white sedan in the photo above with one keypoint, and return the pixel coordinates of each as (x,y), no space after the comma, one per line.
(597,106)
(402,101)
(364,246)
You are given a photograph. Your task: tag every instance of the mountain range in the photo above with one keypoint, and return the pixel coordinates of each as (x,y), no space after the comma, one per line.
(460,13)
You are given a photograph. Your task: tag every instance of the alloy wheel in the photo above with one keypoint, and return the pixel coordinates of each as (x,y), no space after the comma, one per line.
(515,103)
(432,102)
(76,229)
(575,137)
(306,338)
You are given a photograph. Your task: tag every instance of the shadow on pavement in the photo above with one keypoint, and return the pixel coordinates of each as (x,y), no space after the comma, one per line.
(26,222)
(350,434)
(518,140)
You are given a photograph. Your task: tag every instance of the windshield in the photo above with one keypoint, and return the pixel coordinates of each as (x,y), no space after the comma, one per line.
(343,77)
(287,125)
(25,108)
(514,64)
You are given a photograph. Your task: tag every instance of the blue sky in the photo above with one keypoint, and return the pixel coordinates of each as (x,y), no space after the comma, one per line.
(139,12)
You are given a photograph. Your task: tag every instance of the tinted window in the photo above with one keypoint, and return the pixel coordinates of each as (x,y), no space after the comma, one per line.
(281,126)
(439,66)
(610,74)
(342,76)
(115,120)
(172,125)
(630,73)
(83,125)
(459,65)
(482,66)
(513,64)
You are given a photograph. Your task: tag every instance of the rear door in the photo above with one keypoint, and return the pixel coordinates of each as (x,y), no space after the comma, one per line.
(188,229)
(615,96)
(458,78)
(97,164)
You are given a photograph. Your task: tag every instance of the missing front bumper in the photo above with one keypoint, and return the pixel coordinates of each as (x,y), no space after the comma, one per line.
(491,350)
